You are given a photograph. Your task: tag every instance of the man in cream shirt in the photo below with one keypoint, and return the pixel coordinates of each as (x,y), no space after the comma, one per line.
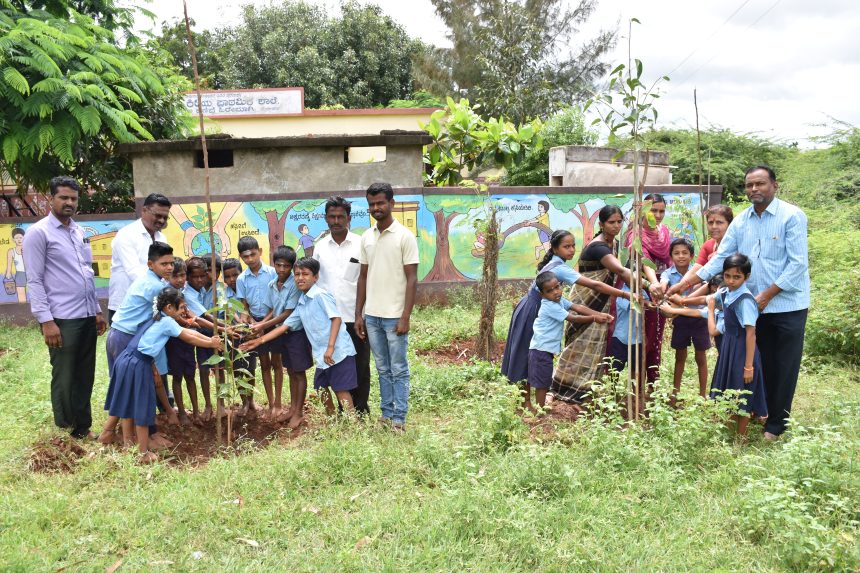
(386,293)
(130,247)
(338,254)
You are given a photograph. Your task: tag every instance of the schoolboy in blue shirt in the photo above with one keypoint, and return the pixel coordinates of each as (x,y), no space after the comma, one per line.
(332,347)
(548,333)
(194,285)
(292,349)
(686,329)
(252,290)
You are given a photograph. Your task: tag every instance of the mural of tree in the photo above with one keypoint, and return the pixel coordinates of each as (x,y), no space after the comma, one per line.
(576,206)
(445,208)
(275,213)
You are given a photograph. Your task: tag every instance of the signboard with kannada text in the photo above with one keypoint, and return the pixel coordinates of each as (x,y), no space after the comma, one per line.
(245,103)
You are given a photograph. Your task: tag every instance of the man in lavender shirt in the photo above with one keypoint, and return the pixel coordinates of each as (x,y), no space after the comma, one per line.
(59,260)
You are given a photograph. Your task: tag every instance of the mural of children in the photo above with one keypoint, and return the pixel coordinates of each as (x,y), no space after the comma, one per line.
(15,279)
(543,235)
(306,241)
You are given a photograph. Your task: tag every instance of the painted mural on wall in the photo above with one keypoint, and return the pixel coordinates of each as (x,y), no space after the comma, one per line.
(450,242)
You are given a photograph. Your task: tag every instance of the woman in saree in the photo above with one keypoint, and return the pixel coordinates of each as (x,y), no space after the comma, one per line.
(582,359)
(516,356)
(655,247)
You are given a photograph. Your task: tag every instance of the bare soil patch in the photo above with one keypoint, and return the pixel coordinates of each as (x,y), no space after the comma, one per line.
(460,351)
(60,454)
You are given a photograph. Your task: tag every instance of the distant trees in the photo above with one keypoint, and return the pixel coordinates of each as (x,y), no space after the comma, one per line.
(517,58)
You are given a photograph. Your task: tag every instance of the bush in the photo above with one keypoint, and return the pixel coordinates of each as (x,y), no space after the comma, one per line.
(566,127)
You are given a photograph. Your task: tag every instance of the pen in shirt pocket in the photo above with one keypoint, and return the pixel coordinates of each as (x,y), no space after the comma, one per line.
(353,260)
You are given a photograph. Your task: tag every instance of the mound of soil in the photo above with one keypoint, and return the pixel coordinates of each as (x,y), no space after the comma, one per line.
(460,351)
(57,455)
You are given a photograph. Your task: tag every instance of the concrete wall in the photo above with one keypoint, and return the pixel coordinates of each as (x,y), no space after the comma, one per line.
(293,170)
(581,166)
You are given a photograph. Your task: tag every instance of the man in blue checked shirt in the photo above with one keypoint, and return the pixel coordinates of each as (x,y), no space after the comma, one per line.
(772,233)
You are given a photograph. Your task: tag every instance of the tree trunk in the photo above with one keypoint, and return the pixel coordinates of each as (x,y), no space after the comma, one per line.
(277,225)
(489,282)
(443,266)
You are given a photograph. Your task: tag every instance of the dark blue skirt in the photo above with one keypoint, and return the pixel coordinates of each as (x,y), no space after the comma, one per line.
(729,374)
(133,388)
(515,361)
(117,341)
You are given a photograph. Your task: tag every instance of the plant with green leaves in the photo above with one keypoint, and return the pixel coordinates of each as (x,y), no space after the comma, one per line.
(627,108)
(464,141)
(66,87)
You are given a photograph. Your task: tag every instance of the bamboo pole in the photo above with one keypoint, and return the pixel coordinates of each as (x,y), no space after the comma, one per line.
(703,204)
(208,198)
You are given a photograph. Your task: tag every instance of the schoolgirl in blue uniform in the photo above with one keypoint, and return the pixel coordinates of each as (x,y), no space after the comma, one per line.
(739,366)
(515,361)
(133,374)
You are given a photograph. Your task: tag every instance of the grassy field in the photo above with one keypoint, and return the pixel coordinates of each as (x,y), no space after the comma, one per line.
(468,487)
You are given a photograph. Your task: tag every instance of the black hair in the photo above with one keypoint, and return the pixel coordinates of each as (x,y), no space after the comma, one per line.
(308,263)
(247,243)
(685,243)
(545,206)
(208,260)
(654,198)
(607,211)
(716,281)
(178,266)
(157,250)
(338,201)
(168,296)
(738,261)
(195,263)
(722,210)
(284,253)
(378,188)
(156,199)
(231,264)
(544,278)
(554,242)
(17,231)
(64,181)
(770,172)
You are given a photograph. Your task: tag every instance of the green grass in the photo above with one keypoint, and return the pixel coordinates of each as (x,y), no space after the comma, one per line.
(464,489)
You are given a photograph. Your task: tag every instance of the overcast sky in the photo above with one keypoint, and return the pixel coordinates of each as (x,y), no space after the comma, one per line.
(771,67)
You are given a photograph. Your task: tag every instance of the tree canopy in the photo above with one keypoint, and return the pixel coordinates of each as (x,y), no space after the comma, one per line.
(358,58)
(69,92)
(517,57)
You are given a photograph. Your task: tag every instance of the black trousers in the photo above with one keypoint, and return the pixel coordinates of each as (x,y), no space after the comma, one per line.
(73,368)
(362,365)
(779,337)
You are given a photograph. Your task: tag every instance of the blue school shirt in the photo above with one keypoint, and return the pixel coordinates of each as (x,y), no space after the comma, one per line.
(777,246)
(622,318)
(673,276)
(194,300)
(206,295)
(566,275)
(283,299)
(136,307)
(314,312)
(253,289)
(718,317)
(549,325)
(747,310)
(153,340)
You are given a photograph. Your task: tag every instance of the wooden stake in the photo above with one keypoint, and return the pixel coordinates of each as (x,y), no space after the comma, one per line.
(208,195)
(703,203)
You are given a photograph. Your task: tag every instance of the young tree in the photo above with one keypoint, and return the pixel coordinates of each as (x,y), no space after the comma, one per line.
(516,58)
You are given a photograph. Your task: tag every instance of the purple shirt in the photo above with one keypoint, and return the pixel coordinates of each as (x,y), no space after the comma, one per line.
(59,263)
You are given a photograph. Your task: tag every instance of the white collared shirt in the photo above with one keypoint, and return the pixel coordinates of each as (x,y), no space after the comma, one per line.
(339,270)
(129,252)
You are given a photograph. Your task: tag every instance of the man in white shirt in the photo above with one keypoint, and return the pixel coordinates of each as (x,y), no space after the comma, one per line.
(130,247)
(338,254)
(386,293)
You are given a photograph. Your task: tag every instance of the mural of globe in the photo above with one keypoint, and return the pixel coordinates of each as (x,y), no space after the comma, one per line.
(200,244)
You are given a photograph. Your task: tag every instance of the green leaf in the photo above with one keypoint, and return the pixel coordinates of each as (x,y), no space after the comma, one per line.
(648,263)
(11,148)
(638,68)
(652,222)
(213,360)
(16,80)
